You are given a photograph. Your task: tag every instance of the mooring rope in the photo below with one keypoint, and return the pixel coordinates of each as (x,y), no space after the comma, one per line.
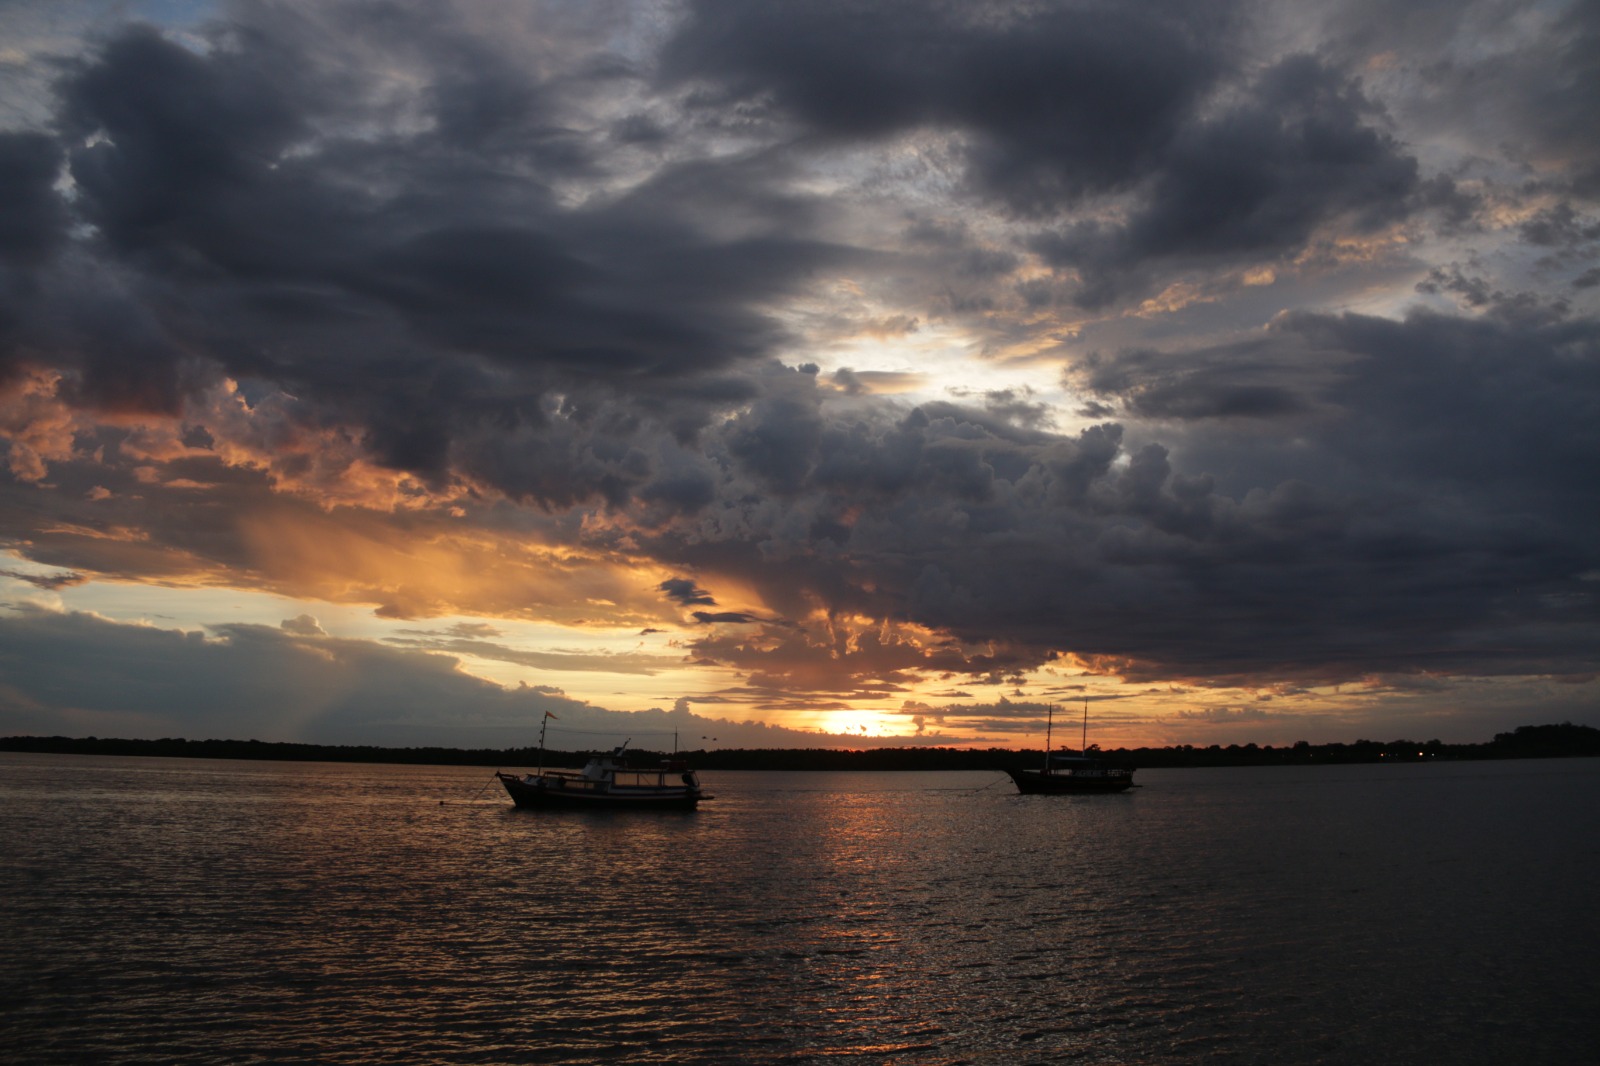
(476,794)
(985,788)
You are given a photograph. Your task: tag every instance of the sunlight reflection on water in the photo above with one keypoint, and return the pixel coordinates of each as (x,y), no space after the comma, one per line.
(194,911)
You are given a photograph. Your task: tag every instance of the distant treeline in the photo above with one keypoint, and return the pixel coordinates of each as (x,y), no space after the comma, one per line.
(1527,742)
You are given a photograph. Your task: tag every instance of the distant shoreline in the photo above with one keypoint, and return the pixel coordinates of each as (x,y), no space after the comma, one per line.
(1526,742)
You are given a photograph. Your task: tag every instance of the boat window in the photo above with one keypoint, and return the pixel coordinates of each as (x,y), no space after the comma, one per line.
(641,779)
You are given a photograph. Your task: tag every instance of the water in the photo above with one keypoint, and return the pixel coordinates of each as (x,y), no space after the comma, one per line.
(189,911)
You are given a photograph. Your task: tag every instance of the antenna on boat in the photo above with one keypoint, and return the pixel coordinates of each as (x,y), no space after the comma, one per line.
(544,723)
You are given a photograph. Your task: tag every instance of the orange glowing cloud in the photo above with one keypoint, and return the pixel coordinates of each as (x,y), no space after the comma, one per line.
(235,494)
(422,567)
(36,425)
(853,658)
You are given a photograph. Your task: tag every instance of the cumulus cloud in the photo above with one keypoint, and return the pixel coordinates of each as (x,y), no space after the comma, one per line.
(303,625)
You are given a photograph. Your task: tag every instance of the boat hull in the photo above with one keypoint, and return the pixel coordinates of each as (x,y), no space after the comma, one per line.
(1038,782)
(552,793)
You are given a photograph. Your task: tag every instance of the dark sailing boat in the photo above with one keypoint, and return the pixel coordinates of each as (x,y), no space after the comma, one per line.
(1072,773)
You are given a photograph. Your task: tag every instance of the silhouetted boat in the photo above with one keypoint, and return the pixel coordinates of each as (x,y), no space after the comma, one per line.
(1072,773)
(609,781)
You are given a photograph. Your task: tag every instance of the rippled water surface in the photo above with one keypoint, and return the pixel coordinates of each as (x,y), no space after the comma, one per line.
(189,911)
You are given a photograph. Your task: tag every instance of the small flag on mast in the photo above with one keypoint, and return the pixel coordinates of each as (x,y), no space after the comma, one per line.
(547,714)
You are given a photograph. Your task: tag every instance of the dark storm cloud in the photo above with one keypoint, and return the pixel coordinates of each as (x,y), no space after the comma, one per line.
(1254,181)
(33,224)
(708,618)
(1502,411)
(235,224)
(1532,94)
(1560,226)
(564,350)
(1480,293)
(32,218)
(1055,101)
(1433,513)
(1060,104)
(778,437)
(684,591)
(1258,379)
(180,140)
(1299,152)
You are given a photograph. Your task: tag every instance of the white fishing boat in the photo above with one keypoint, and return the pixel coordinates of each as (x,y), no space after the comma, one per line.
(609,780)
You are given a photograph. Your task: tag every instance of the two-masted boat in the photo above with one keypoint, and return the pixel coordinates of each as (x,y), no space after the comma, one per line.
(1072,773)
(610,781)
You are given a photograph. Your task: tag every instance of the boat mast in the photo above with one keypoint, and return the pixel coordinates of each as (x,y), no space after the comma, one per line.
(1083,745)
(544,723)
(1049,723)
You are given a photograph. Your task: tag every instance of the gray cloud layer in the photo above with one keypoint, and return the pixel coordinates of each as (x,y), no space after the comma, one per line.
(296,684)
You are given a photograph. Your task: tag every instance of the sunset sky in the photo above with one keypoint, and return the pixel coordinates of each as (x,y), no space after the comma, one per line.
(803,374)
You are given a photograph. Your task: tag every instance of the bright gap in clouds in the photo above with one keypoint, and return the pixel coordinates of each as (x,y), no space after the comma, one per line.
(619,669)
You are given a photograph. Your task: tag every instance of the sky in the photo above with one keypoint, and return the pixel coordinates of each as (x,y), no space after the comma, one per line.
(825,374)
